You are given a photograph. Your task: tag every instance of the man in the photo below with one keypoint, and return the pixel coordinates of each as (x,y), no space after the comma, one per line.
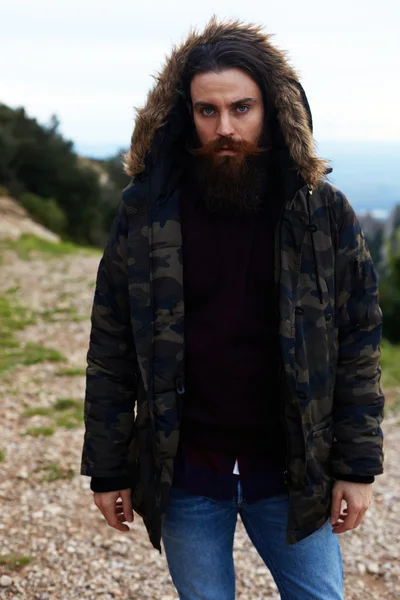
(237,306)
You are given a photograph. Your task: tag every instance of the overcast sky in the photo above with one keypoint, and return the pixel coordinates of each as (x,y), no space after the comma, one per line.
(90,62)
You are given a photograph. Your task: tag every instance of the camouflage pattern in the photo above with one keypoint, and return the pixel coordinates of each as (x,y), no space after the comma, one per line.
(330,332)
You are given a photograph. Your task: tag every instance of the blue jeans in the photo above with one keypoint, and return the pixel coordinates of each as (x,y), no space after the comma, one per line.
(198,537)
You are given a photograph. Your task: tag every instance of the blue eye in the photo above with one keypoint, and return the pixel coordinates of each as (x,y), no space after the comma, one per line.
(207,111)
(243,108)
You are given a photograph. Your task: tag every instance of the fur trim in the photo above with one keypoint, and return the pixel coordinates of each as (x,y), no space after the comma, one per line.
(291,112)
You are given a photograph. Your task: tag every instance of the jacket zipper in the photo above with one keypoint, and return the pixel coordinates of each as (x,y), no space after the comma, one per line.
(180,390)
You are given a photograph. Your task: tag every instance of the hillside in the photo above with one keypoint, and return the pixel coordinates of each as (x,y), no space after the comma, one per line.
(54,542)
(15,221)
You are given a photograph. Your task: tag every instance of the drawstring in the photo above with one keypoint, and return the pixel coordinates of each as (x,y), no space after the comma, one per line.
(312,228)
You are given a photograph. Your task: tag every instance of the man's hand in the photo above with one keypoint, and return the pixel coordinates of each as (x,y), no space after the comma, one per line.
(114,510)
(357,497)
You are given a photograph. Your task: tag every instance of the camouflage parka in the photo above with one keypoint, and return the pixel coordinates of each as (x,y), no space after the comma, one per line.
(330,323)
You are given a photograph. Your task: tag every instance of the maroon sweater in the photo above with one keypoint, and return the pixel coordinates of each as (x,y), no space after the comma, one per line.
(232,401)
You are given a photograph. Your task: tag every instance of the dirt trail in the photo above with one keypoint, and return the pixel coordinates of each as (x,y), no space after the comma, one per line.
(48,515)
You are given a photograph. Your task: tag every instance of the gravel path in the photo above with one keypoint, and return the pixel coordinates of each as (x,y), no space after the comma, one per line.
(71,552)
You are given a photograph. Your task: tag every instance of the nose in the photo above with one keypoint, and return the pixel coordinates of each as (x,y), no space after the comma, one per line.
(225,128)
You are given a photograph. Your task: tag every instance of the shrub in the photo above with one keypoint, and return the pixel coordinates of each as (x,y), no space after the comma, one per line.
(45,210)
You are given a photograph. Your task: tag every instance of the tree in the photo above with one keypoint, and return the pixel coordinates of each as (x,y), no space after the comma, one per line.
(390,291)
(37,159)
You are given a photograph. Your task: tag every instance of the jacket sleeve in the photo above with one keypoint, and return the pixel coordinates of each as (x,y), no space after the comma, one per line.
(112,365)
(358,400)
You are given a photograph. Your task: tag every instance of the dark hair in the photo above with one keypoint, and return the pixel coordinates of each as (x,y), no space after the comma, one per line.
(229,55)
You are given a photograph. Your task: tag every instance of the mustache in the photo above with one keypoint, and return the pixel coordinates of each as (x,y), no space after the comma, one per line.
(228,143)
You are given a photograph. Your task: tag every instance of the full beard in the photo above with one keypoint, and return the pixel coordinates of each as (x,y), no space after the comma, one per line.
(231,183)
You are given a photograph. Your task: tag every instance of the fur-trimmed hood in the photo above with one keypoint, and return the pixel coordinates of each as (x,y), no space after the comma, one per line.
(291,104)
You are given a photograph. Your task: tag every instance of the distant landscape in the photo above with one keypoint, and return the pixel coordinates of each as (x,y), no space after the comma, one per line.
(367,173)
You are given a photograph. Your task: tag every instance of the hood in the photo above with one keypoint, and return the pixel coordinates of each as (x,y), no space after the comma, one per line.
(292,110)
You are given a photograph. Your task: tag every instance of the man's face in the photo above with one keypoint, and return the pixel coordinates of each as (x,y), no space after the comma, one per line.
(229,158)
(228,113)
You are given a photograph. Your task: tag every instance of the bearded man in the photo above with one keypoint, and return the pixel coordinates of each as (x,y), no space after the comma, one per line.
(236,307)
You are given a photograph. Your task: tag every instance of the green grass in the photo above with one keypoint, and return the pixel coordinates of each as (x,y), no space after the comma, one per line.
(12,290)
(69,422)
(80,318)
(31,354)
(54,314)
(38,431)
(14,318)
(29,245)
(2,455)
(34,354)
(72,372)
(71,413)
(54,472)
(38,410)
(69,313)
(14,561)
(65,412)
(67,404)
(390,363)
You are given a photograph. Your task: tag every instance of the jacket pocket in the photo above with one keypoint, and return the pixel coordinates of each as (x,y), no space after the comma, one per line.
(319,447)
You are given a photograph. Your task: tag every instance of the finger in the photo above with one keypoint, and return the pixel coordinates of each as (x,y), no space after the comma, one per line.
(116,524)
(121,518)
(340,527)
(337,496)
(349,520)
(127,504)
(341,518)
(360,517)
(111,517)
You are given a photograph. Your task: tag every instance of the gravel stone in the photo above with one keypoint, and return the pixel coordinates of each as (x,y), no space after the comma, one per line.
(373,568)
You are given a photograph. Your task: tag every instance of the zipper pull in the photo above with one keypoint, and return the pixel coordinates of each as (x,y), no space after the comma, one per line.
(180,385)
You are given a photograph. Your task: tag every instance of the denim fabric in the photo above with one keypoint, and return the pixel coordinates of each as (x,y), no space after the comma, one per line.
(198,535)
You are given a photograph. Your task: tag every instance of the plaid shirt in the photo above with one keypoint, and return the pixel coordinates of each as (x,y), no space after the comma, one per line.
(210,473)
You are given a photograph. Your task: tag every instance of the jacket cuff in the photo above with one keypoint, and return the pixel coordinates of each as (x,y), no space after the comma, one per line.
(356,478)
(110,484)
